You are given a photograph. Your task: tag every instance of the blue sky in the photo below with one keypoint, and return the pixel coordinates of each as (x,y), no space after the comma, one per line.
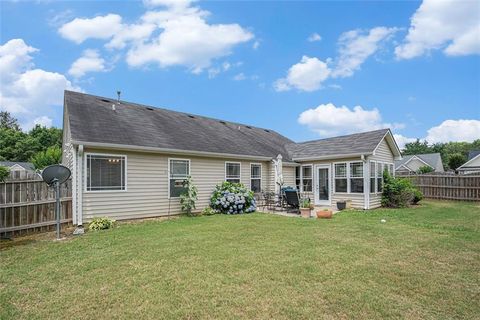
(306,69)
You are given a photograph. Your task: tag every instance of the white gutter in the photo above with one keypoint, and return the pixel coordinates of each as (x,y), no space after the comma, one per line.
(79,185)
(74,185)
(125,147)
(337,156)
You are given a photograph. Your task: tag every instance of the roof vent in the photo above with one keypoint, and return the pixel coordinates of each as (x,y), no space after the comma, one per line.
(223,122)
(190,116)
(113,107)
(105,100)
(266,130)
(248,127)
(151,109)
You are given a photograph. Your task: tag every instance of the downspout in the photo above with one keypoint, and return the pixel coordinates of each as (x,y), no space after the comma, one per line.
(79,186)
(366,186)
(74,185)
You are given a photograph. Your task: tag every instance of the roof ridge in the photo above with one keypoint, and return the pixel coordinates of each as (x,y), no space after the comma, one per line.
(343,136)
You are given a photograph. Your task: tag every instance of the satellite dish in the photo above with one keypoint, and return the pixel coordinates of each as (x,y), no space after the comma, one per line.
(55,173)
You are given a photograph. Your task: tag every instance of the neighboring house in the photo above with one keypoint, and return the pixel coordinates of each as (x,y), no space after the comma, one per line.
(18,166)
(129,160)
(472,166)
(411,163)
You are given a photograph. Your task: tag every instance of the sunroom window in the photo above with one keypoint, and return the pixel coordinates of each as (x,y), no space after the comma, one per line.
(372,177)
(232,172)
(341,177)
(179,172)
(379,177)
(105,172)
(356,177)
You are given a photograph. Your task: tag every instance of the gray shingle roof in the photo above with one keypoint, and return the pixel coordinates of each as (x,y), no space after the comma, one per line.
(92,119)
(431,158)
(25,165)
(472,154)
(358,143)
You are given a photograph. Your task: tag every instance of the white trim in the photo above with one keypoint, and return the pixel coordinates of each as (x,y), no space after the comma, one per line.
(126,147)
(261,173)
(332,157)
(74,185)
(80,184)
(395,144)
(418,158)
(366,185)
(107,155)
(169,174)
(402,165)
(465,164)
(348,176)
(374,178)
(239,172)
(315,184)
(15,166)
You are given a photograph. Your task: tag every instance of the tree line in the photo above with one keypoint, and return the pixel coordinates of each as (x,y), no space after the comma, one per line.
(453,154)
(42,146)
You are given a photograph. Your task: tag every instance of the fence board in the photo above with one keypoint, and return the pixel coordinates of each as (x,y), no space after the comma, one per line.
(447,186)
(28,204)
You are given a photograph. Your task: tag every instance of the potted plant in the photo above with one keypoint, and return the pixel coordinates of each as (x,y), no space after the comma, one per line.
(305,208)
(341,205)
(324,213)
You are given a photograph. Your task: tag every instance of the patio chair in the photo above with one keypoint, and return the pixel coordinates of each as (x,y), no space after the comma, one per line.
(268,200)
(292,201)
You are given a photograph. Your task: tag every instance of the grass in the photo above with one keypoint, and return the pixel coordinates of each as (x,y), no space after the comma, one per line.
(423,263)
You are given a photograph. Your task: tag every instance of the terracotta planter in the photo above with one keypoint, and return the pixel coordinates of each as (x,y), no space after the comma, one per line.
(325,214)
(305,212)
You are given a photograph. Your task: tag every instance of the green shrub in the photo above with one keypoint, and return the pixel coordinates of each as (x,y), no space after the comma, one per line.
(305,203)
(4,173)
(209,211)
(232,198)
(417,196)
(101,224)
(424,169)
(398,192)
(188,197)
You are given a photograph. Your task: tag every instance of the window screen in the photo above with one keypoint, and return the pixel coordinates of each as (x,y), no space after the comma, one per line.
(340,177)
(105,173)
(232,172)
(179,172)
(256,177)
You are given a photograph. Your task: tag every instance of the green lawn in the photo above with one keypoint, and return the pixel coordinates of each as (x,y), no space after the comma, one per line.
(423,263)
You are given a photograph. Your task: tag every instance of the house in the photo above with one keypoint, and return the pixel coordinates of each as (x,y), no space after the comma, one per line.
(472,166)
(410,164)
(129,160)
(18,166)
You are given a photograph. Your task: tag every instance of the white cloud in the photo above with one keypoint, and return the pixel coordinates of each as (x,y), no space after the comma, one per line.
(329,120)
(314,37)
(239,77)
(90,61)
(256,44)
(454,130)
(402,140)
(44,121)
(101,27)
(356,46)
(453,26)
(176,34)
(307,75)
(26,92)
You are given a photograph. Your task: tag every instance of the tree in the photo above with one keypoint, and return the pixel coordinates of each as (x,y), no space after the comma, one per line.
(424,169)
(8,122)
(53,155)
(4,173)
(417,147)
(456,160)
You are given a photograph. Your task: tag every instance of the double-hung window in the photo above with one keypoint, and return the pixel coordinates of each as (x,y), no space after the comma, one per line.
(105,172)
(255,177)
(356,177)
(341,177)
(179,170)
(232,172)
(307,178)
(372,177)
(379,177)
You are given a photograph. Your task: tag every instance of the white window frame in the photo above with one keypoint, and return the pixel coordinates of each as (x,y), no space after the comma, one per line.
(169,174)
(301,176)
(347,173)
(85,167)
(374,177)
(240,171)
(251,178)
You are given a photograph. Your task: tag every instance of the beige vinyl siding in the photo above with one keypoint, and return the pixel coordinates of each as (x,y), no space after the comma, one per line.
(147,186)
(415,164)
(382,154)
(357,199)
(288,176)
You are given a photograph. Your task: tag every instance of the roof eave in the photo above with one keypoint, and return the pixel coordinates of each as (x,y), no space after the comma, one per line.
(333,157)
(125,147)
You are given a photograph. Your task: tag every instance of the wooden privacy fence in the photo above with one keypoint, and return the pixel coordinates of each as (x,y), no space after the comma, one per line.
(29,205)
(453,187)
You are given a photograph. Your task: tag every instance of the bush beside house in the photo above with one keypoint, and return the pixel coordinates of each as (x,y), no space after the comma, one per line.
(399,192)
(232,198)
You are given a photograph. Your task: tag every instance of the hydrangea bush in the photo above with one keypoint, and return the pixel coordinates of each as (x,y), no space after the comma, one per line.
(232,198)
